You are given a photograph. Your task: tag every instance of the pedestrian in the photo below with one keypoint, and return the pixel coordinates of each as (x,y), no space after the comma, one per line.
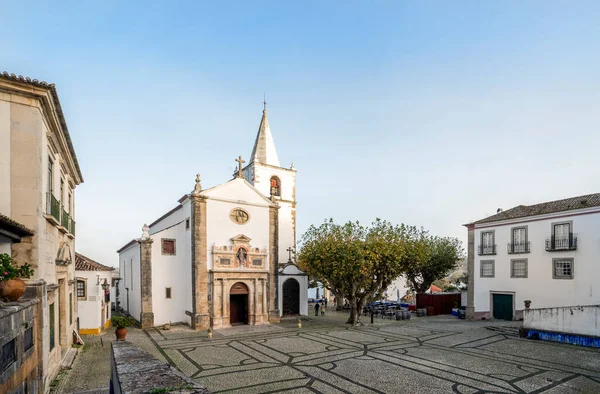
(325,302)
(317,308)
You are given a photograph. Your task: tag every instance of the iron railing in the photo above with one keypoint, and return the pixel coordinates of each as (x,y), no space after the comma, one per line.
(72,226)
(52,206)
(556,244)
(65,219)
(486,250)
(518,247)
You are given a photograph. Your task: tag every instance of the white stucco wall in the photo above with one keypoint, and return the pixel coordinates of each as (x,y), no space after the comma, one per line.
(580,320)
(92,308)
(129,267)
(174,272)
(539,286)
(220,228)
(291,271)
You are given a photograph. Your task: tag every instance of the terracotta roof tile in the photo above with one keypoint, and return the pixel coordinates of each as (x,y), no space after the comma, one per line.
(83,263)
(14,226)
(568,204)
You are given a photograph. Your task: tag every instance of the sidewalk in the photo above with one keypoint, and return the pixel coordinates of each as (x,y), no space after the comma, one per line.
(90,372)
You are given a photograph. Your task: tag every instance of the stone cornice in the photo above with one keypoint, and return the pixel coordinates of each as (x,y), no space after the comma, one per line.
(47,97)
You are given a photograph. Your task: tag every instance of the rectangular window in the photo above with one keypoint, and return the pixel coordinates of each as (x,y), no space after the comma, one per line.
(257,262)
(561,235)
(50,176)
(487,268)
(28,339)
(519,240)
(168,247)
(168,292)
(9,354)
(488,246)
(51,322)
(518,268)
(81,288)
(563,268)
(187,223)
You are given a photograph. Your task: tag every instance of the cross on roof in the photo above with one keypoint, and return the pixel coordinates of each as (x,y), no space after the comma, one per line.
(240,162)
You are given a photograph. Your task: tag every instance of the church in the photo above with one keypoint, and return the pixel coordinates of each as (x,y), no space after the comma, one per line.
(224,255)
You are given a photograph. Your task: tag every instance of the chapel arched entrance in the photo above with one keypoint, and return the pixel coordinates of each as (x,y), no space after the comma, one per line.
(238,304)
(291,297)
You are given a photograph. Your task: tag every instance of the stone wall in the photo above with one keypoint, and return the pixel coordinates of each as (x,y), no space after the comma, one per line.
(18,347)
(579,320)
(136,371)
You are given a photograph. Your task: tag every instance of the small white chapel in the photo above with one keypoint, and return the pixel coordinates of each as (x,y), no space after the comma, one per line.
(224,255)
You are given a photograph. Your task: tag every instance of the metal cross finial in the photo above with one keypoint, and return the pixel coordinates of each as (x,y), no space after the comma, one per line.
(240,162)
(264,101)
(290,250)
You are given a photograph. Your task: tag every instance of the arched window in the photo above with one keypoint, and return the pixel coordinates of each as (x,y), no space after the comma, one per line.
(275,186)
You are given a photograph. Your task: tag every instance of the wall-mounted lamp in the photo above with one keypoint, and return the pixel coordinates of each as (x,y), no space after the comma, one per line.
(105,285)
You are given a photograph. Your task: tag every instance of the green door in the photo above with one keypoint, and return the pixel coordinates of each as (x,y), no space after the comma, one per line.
(503,306)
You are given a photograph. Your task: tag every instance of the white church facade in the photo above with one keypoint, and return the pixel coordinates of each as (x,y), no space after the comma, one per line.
(223,255)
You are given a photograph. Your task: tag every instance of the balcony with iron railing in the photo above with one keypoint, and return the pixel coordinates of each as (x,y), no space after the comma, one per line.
(52,207)
(559,244)
(487,250)
(518,247)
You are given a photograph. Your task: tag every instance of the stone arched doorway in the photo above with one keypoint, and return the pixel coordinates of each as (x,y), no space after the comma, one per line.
(238,304)
(291,297)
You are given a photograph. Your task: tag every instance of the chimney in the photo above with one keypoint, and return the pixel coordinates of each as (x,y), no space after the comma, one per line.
(499,210)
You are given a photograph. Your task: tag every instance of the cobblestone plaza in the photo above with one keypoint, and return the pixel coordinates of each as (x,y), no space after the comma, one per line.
(425,355)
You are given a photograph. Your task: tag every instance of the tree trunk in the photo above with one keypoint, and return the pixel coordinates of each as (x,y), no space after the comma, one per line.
(339,302)
(353,318)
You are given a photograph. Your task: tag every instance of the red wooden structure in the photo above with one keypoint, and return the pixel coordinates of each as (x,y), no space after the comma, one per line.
(441,303)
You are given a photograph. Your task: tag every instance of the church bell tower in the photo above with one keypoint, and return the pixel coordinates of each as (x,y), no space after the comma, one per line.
(265,173)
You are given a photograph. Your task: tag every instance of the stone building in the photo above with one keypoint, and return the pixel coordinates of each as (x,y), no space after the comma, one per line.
(38,176)
(223,255)
(93,294)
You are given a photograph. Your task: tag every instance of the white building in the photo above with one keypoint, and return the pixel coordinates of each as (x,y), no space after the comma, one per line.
(545,253)
(93,294)
(223,255)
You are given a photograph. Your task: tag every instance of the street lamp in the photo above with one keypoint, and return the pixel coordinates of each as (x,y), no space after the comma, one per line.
(105,285)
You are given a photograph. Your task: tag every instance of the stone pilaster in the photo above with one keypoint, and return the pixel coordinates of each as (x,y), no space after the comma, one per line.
(273,285)
(470,311)
(147,315)
(200,303)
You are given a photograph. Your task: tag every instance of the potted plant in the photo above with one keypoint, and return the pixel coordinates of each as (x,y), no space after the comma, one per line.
(527,304)
(121,322)
(12,287)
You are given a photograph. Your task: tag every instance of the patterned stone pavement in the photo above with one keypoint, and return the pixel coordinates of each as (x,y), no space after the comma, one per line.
(425,355)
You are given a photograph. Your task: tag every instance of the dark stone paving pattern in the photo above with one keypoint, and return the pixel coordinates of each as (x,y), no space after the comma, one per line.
(427,355)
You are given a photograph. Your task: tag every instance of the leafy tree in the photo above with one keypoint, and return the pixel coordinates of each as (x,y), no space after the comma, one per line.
(433,258)
(355,261)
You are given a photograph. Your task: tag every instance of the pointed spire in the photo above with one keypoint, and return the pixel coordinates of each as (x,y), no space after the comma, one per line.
(264,146)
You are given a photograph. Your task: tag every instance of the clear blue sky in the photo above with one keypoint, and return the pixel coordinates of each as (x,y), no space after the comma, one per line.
(427,113)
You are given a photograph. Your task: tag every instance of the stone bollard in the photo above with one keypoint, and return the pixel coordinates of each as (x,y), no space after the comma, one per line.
(210,333)
(299,323)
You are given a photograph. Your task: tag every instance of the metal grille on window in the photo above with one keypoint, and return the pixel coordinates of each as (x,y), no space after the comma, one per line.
(519,240)
(487,268)
(80,288)
(28,339)
(8,354)
(561,236)
(563,268)
(487,242)
(519,268)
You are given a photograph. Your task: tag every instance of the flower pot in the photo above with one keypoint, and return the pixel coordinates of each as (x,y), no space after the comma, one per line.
(121,333)
(12,289)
